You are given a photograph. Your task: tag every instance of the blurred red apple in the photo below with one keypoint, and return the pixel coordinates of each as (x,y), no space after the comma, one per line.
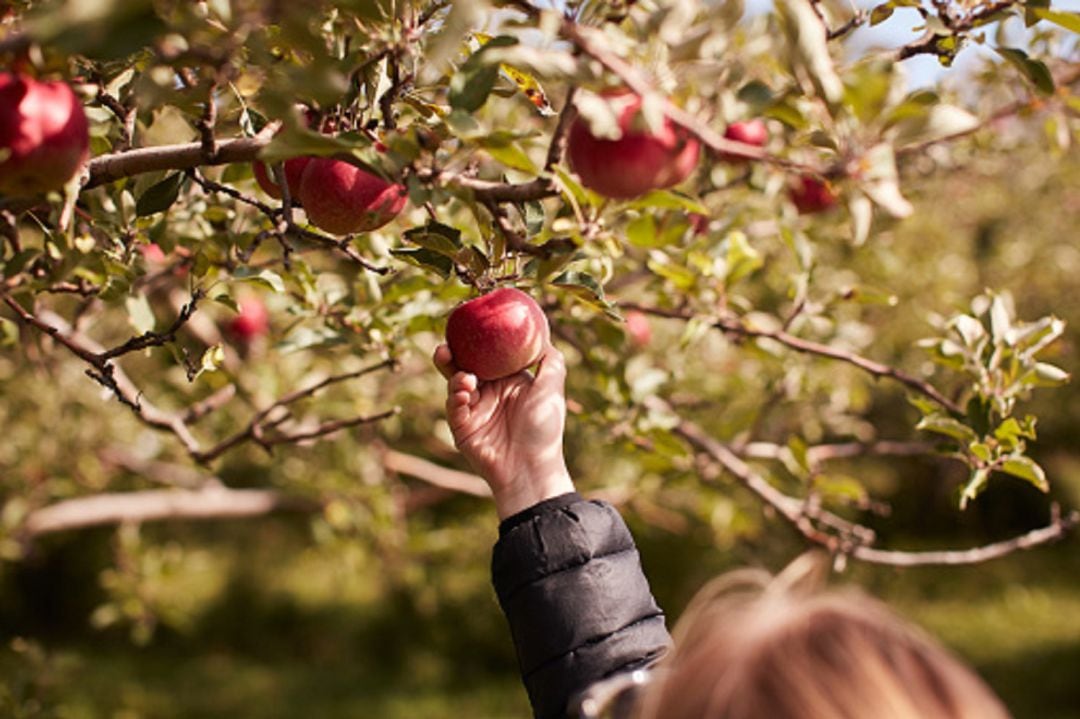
(252,322)
(43,135)
(699,223)
(498,334)
(152,253)
(812,195)
(294,170)
(341,198)
(751,132)
(638,328)
(637,162)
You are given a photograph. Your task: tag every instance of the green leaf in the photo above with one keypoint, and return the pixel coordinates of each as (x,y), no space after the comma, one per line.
(642,232)
(947,426)
(212,359)
(471,86)
(881,13)
(9,332)
(470,90)
(436,237)
(1048,375)
(161,196)
(582,282)
(1012,432)
(669,200)
(267,278)
(1067,20)
(976,483)
(426,259)
(742,259)
(140,314)
(1026,468)
(1034,70)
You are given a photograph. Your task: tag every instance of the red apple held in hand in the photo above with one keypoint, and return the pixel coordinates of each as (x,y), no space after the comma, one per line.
(43,135)
(751,132)
(637,162)
(812,195)
(252,322)
(294,170)
(498,334)
(638,328)
(342,199)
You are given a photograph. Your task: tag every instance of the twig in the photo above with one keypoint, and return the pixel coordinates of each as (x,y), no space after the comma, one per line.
(1057,529)
(210,186)
(852,540)
(821,453)
(878,369)
(154,339)
(433,474)
(262,421)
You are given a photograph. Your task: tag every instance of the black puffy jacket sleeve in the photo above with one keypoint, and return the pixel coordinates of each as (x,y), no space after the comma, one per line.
(569,580)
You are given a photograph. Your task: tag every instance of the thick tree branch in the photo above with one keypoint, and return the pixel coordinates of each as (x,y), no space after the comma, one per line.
(116,166)
(212,502)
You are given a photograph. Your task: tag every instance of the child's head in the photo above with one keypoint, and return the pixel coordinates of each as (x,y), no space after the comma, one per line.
(753,647)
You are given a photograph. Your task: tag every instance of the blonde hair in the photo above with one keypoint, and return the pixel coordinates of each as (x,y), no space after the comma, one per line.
(753,647)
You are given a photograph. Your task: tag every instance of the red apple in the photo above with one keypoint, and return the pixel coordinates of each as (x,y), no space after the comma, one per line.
(751,132)
(699,223)
(638,328)
(252,322)
(341,198)
(812,195)
(43,135)
(498,334)
(638,161)
(152,253)
(294,170)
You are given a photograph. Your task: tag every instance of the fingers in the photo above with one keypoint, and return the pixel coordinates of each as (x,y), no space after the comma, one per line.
(444,361)
(462,396)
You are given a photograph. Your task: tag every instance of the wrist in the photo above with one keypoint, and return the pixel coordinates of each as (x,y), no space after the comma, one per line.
(531,486)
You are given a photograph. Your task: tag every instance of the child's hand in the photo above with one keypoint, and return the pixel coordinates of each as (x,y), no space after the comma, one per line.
(511,429)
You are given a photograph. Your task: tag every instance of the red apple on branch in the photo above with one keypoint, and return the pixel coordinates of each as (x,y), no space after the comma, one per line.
(638,328)
(251,322)
(750,132)
(341,198)
(639,161)
(294,170)
(811,195)
(498,334)
(43,135)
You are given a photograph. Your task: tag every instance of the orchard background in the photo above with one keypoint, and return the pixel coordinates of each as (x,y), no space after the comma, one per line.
(226,484)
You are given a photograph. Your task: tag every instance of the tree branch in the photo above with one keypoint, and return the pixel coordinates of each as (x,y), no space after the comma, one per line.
(434,474)
(848,539)
(262,421)
(212,502)
(118,165)
(877,369)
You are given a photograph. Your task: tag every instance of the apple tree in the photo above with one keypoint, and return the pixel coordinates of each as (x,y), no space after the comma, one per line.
(232,232)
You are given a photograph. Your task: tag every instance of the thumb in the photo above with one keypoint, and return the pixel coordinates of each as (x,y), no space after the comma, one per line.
(551,374)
